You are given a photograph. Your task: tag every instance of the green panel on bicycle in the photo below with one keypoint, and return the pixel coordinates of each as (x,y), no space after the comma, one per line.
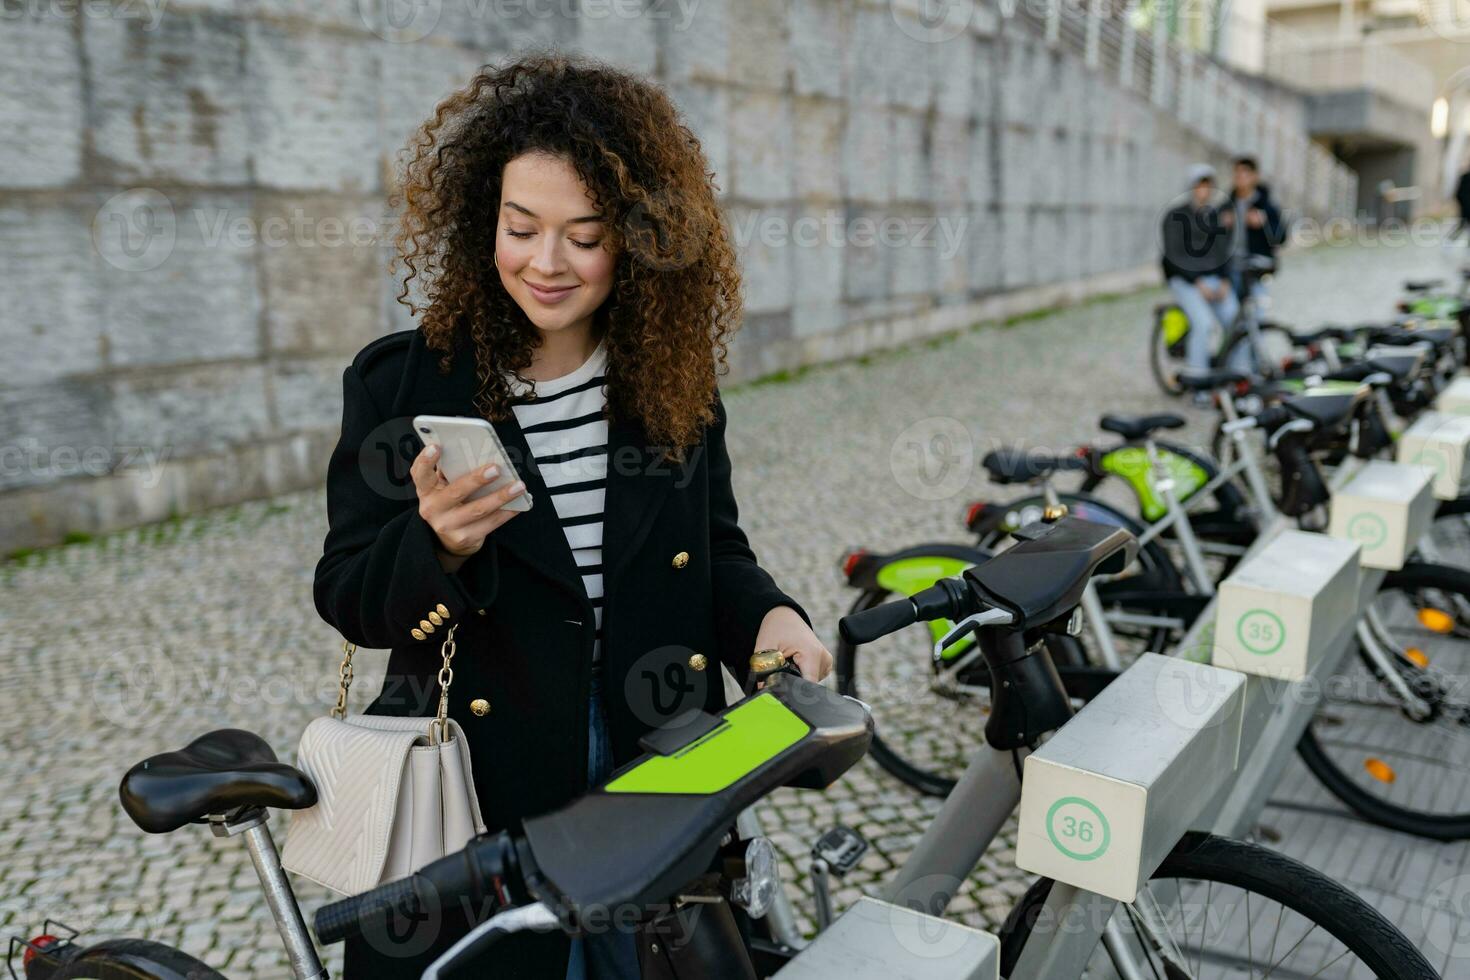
(1131,463)
(910,575)
(750,735)
(1175,324)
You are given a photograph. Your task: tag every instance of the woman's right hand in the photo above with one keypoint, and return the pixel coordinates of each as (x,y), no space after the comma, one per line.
(460,525)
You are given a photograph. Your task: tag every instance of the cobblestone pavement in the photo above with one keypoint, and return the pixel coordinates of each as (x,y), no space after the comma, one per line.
(218,609)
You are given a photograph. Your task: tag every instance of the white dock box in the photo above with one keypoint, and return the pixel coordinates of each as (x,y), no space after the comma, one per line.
(1281,607)
(1110,794)
(1455,399)
(1442,443)
(1386,508)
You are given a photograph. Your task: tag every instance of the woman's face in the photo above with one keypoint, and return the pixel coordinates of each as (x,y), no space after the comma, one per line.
(549,243)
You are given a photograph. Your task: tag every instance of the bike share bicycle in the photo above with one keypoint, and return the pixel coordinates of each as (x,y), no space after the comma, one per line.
(647,838)
(1379,782)
(1010,603)
(644,841)
(1249,342)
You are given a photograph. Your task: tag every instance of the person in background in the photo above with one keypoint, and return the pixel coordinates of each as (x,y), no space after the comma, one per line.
(1253,220)
(1196,263)
(1462,197)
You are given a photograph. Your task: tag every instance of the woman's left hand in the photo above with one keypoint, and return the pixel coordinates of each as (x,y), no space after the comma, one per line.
(784,629)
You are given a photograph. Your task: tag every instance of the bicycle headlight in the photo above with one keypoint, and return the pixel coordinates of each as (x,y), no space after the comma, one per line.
(756,892)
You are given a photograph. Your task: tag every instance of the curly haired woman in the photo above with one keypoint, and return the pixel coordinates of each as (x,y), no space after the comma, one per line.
(580,290)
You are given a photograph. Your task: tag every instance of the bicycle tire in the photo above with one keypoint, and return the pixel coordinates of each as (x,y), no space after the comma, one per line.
(1161,363)
(1261,871)
(1280,334)
(1354,793)
(129,959)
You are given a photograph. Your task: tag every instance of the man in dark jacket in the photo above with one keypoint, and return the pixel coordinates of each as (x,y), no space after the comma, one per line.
(1462,197)
(1253,221)
(1196,258)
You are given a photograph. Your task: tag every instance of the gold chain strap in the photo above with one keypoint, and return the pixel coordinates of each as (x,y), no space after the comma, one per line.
(439,727)
(344,679)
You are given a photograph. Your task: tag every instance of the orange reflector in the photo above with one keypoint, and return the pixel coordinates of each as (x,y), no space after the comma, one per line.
(1417,656)
(1439,622)
(1379,770)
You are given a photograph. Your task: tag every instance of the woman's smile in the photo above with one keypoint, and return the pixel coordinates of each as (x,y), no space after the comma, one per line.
(549,294)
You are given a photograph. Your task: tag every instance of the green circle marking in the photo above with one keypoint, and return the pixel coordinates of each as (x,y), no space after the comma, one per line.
(1368,529)
(1266,631)
(1074,826)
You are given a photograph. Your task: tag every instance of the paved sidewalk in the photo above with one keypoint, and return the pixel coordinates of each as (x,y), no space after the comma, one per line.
(218,609)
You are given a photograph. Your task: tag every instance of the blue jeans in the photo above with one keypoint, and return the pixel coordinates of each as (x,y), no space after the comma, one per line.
(1205,317)
(609,955)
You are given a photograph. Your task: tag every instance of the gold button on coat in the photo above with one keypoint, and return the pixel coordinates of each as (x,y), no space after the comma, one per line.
(418,634)
(426,626)
(436,619)
(698,662)
(442,610)
(681,559)
(480,707)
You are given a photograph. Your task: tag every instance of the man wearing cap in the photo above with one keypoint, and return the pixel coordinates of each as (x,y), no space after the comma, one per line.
(1196,264)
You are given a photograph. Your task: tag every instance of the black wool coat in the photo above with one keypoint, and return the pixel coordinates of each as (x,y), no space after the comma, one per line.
(682,591)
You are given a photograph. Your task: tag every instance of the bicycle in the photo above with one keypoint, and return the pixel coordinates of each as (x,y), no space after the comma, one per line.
(1008,604)
(664,819)
(1156,602)
(1248,338)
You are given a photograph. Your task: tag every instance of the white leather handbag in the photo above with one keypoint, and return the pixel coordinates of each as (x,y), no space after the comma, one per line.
(393,793)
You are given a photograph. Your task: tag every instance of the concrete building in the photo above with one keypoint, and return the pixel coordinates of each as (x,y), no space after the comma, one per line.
(1373,72)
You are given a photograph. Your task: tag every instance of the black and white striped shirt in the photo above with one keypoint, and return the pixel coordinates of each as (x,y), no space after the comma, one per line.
(567,435)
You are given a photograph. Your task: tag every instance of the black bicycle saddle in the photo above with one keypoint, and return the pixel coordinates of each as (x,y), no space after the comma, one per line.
(217,772)
(1042,577)
(1206,381)
(1132,427)
(1329,406)
(1014,465)
(1420,285)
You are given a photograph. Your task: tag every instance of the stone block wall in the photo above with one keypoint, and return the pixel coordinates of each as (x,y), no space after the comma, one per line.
(193,217)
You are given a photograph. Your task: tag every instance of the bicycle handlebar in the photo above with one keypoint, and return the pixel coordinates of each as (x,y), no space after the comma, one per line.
(467,873)
(946,599)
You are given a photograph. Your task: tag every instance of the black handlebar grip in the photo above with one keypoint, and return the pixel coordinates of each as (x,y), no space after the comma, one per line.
(339,920)
(870,624)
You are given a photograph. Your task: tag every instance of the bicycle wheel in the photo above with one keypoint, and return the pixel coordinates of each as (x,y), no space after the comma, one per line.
(1450,532)
(1227,908)
(1277,346)
(927,722)
(1391,767)
(125,959)
(1165,355)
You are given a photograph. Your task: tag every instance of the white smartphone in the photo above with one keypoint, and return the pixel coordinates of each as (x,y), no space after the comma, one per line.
(467,444)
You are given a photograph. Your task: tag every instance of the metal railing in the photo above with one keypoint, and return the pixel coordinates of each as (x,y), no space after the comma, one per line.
(1326,64)
(1205,97)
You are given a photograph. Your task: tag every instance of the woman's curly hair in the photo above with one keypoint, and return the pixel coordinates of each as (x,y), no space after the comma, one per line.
(675,299)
